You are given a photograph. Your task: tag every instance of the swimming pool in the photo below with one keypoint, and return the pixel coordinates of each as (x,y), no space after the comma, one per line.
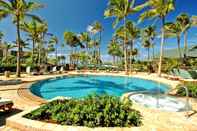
(80,86)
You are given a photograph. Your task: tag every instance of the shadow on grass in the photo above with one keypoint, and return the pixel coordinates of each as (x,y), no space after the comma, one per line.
(5,114)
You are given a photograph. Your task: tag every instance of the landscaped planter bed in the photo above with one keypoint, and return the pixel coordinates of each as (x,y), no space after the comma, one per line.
(93,113)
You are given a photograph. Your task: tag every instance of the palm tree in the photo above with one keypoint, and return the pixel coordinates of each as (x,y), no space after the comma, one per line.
(18,9)
(174,30)
(120,9)
(1,36)
(6,47)
(134,34)
(98,28)
(147,45)
(149,33)
(54,41)
(85,38)
(186,23)
(114,49)
(41,42)
(34,29)
(158,9)
(73,41)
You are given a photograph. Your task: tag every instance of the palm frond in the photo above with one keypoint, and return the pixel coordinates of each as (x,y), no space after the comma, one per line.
(148,15)
(34,17)
(194,20)
(5,5)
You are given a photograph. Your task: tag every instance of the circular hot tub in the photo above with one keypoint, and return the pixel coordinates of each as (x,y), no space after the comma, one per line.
(160,101)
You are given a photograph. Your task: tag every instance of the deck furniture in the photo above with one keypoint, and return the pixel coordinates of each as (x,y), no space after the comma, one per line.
(10,82)
(6,104)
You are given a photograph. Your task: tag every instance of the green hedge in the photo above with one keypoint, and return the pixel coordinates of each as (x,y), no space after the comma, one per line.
(94,111)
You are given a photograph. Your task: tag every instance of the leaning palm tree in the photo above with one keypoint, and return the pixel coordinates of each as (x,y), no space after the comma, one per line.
(18,9)
(158,9)
(174,30)
(120,9)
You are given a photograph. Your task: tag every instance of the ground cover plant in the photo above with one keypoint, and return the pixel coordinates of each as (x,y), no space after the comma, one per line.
(93,111)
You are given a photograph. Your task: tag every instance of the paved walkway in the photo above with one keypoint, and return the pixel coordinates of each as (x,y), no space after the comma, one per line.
(152,119)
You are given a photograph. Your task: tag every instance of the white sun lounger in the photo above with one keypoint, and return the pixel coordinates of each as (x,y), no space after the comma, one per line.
(5,104)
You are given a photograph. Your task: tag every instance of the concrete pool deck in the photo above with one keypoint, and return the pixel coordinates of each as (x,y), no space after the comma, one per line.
(152,119)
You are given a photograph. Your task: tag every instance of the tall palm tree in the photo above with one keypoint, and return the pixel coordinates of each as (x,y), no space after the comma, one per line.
(133,34)
(98,28)
(1,36)
(185,23)
(149,33)
(120,9)
(6,47)
(147,44)
(33,28)
(41,43)
(158,9)
(114,49)
(54,41)
(18,9)
(72,40)
(174,30)
(85,38)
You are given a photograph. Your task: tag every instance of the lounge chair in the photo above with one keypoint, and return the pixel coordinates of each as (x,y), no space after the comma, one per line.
(187,74)
(10,82)
(28,70)
(62,69)
(6,104)
(184,74)
(54,70)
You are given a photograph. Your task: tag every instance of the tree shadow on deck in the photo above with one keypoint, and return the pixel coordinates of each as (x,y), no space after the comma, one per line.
(5,114)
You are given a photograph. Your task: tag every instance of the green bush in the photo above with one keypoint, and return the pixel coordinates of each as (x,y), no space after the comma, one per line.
(93,111)
(192,89)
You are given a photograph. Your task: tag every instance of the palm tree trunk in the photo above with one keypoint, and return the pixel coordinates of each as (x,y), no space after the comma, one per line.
(125,48)
(113,59)
(6,55)
(99,49)
(179,47)
(185,44)
(18,67)
(56,54)
(33,48)
(39,55)
(161,48)
(148,54)
(153,52)
(131,56)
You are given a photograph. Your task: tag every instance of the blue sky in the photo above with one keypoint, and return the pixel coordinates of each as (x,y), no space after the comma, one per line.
(76,15)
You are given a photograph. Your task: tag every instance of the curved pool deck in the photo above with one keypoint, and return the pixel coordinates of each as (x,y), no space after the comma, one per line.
(152,119)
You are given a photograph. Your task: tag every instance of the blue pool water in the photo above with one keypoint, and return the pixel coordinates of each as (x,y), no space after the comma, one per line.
(81,86)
